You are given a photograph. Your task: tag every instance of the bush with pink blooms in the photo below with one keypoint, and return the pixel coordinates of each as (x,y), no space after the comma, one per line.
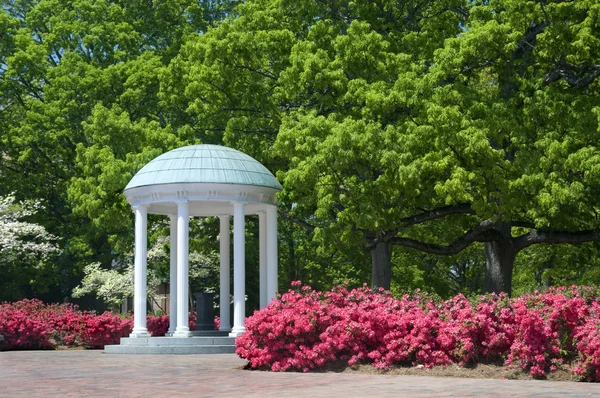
(541,332)
(31,324)
(157,325)
(587,338)
(22,331)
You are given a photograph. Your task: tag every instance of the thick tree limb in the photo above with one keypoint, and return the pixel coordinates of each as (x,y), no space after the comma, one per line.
(579,76)
(535,237)
(477,234)
(527,42)
(522,224)
(373,237)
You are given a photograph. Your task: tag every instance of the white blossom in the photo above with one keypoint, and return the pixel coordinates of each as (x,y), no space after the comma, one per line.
(114,285)
(22,240)
(111,286)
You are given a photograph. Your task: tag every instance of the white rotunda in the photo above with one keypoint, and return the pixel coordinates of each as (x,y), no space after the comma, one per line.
(205,180)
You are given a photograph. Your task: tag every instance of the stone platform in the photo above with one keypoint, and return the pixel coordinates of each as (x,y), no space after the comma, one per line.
(213,343)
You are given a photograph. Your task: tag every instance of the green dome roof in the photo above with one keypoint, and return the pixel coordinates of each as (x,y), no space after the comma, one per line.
(204,164)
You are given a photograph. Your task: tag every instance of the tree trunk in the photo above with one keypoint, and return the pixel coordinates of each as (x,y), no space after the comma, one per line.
(499,260)
(381,265)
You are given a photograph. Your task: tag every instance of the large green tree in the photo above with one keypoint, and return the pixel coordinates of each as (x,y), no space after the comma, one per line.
(489,135)
(446,127)
(230,84)
(430,125)
(78,84)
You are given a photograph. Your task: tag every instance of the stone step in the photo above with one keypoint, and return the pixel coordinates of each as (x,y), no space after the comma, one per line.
(178,341)
(170,349)
(209,333)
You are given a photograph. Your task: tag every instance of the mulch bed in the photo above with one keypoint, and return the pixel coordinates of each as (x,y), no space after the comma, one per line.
(479,371)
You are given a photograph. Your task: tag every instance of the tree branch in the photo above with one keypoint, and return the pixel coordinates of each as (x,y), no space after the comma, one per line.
(535,237)
(522,224)
(527,43)
(462,208)
(579,76)
(477,234)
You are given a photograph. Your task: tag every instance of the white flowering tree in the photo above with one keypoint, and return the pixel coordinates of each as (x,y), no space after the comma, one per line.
(21,240)
(114,285)
(26,248)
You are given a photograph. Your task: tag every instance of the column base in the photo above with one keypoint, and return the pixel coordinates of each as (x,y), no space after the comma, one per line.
(182,333)
(237,332)
(139,334)
(225,328)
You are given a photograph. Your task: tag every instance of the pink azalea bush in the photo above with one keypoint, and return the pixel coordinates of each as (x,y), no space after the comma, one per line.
(31,324)
(587,338)
(103,329)
(306,329)
(20,330)
(157,325)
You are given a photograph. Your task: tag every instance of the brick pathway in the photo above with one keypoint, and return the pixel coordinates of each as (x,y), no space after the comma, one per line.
(93,373)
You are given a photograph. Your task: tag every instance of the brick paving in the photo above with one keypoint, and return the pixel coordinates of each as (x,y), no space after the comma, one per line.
(96,374)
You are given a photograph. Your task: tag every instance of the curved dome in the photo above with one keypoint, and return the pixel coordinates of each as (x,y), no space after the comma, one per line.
(204,164)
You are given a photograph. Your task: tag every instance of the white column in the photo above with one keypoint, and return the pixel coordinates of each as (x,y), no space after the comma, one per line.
(173,277)
(272,287)
(141,249)
(183,222)
(239,271)
(262,242)
(224,273)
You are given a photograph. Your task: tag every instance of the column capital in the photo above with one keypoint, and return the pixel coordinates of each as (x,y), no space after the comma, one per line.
(140,207)
(183,208)
(271,209)
(238,203)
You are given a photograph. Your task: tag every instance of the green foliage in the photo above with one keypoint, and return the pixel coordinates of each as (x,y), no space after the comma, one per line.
(387,136)
(538,267)
(110,286)
(80,113)
(412,123)
(445,276)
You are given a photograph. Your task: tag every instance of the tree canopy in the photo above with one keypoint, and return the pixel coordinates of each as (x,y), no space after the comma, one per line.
(401,131)
(490,136)
(78,83)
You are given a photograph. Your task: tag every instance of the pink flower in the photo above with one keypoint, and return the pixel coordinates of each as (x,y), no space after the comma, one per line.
(306,329)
